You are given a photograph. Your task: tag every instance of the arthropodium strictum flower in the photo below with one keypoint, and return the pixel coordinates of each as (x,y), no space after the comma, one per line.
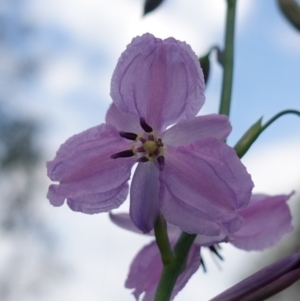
(267,219)
(184,169)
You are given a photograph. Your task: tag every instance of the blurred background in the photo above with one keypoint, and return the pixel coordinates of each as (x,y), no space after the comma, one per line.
(56,61)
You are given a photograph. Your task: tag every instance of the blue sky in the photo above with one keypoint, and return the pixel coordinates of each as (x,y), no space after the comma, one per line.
(79,43)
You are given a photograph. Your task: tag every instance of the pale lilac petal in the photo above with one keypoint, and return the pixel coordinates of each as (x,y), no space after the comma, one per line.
(123,220)
(282,273)
(146,268)
(187,217)
(160,80)
(206,241)
(85,171)
(193,264)
(267,219)
(209,177)
(54,196)
(144,196)
(99,202)
(122,121)
(208,126)
(145,272)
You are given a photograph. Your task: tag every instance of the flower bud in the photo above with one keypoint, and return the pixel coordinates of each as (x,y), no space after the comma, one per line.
(248,138)
(151,5)
(266,282)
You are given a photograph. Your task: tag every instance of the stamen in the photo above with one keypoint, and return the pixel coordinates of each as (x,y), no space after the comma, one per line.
(161,162)
(159,143)
(143,159)
(123,154)
(156,153)
(129,136)
(216,252)
(151,137)
(203,265)
(143,140)
(145,126)
(140,150)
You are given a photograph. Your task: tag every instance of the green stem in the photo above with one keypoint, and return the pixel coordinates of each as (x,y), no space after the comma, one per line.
(162,240)
(243,145)
(183,245)
(172,270)
(274,118)
(228,59)
(167,282)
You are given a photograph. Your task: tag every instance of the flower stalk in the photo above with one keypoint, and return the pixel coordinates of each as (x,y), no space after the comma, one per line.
(162,240)
(228,59)
(172,270)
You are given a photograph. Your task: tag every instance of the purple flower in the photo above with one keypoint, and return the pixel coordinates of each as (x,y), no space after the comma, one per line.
(185,171)
(267,219)
(266,282)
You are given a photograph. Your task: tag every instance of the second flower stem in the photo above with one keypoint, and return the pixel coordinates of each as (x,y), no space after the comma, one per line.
(162,240)
(228,59)
(175,260)
(173,269)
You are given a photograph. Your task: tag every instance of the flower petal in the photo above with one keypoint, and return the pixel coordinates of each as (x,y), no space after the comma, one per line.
(186,132)
(122,121)
(267,219)
(86,172)
(144,196)
(123,220)
(145,272)
(146,268)
(99,202)
(206,241)
(208,177)
(186,217)
(193,264)
(159,80)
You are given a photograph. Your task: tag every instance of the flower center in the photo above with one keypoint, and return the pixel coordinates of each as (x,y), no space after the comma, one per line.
(147,146)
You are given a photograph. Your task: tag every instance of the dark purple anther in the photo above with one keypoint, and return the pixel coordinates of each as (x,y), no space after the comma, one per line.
(129,136)
(151,137)
(142,140)
(143,159)
(145,126)
(140,150)
(123,154)
(159,143)
(161,162)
